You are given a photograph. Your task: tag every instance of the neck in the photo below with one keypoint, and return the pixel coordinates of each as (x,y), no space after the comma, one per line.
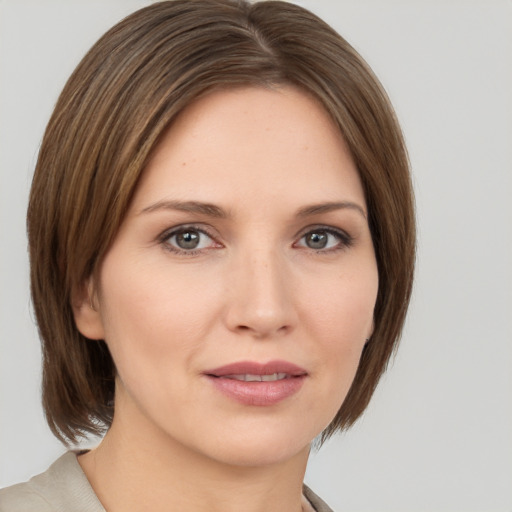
(130,471)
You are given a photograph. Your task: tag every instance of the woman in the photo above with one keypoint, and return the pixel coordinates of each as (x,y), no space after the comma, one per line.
(221,237)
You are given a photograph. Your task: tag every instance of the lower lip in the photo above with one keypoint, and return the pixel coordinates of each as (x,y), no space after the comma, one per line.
(258,393)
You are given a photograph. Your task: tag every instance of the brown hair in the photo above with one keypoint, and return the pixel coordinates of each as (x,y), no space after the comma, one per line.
(114,108)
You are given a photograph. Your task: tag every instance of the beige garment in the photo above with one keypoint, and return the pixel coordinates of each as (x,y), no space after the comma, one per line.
(63,487)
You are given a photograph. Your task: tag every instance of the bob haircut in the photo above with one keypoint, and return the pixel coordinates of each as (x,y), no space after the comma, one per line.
(112,112)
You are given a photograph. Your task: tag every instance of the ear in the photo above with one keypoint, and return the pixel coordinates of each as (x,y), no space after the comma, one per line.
(370,332)
(86,312)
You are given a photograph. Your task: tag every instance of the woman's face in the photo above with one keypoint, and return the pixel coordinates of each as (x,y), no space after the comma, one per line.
(239,291)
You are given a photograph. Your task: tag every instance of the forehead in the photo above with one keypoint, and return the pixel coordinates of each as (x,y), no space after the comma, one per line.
(251,143)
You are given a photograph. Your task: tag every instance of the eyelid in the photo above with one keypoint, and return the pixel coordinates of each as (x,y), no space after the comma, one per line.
(346,240)
(164,237)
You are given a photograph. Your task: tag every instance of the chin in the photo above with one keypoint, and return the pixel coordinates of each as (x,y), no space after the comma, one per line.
(258,446)
(260,454)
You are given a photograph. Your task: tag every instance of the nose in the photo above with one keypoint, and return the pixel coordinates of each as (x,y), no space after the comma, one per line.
(261,299)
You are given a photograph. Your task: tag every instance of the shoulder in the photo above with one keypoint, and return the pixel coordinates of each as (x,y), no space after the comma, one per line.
(63,487)
(23,498)
(318,504)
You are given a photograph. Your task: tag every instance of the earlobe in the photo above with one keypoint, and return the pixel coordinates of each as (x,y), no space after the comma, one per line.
(369,334)
(86,311)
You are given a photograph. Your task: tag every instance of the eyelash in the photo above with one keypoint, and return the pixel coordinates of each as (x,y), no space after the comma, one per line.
(165,237)
(345,241)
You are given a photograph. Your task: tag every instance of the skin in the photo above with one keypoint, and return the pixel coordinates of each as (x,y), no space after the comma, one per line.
(255,289)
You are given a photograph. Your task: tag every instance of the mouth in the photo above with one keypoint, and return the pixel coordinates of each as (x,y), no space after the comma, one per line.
(249,377)
(254,371)
(257,384)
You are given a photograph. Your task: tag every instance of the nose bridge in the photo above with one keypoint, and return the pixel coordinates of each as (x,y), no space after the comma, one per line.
(261,300)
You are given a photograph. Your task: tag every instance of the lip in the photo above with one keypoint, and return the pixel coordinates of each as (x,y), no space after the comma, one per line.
(257,393)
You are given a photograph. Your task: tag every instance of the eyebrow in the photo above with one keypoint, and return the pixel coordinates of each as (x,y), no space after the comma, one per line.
(212,210)
(316,209)
(207,209)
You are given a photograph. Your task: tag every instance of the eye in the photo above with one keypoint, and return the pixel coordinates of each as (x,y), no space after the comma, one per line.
(188,240)
(325,239)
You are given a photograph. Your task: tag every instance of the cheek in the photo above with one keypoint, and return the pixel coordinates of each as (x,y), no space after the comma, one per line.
(151,317)
(340,319)
(342,309)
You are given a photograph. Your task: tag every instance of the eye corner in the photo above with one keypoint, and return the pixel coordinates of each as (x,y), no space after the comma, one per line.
(188,240)
(324,239)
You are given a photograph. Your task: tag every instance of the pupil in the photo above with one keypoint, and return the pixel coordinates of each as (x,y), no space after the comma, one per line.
(316,240)
(187,239)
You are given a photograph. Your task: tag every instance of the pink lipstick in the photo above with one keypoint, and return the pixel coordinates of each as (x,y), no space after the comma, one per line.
(258,384)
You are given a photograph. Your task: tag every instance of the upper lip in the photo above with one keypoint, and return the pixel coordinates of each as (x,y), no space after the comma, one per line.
(255,368)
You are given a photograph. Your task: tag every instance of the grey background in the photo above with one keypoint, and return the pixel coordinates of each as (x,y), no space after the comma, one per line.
(438,434)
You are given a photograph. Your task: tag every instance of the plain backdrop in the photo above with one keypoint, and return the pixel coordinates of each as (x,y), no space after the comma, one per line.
(438,433)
